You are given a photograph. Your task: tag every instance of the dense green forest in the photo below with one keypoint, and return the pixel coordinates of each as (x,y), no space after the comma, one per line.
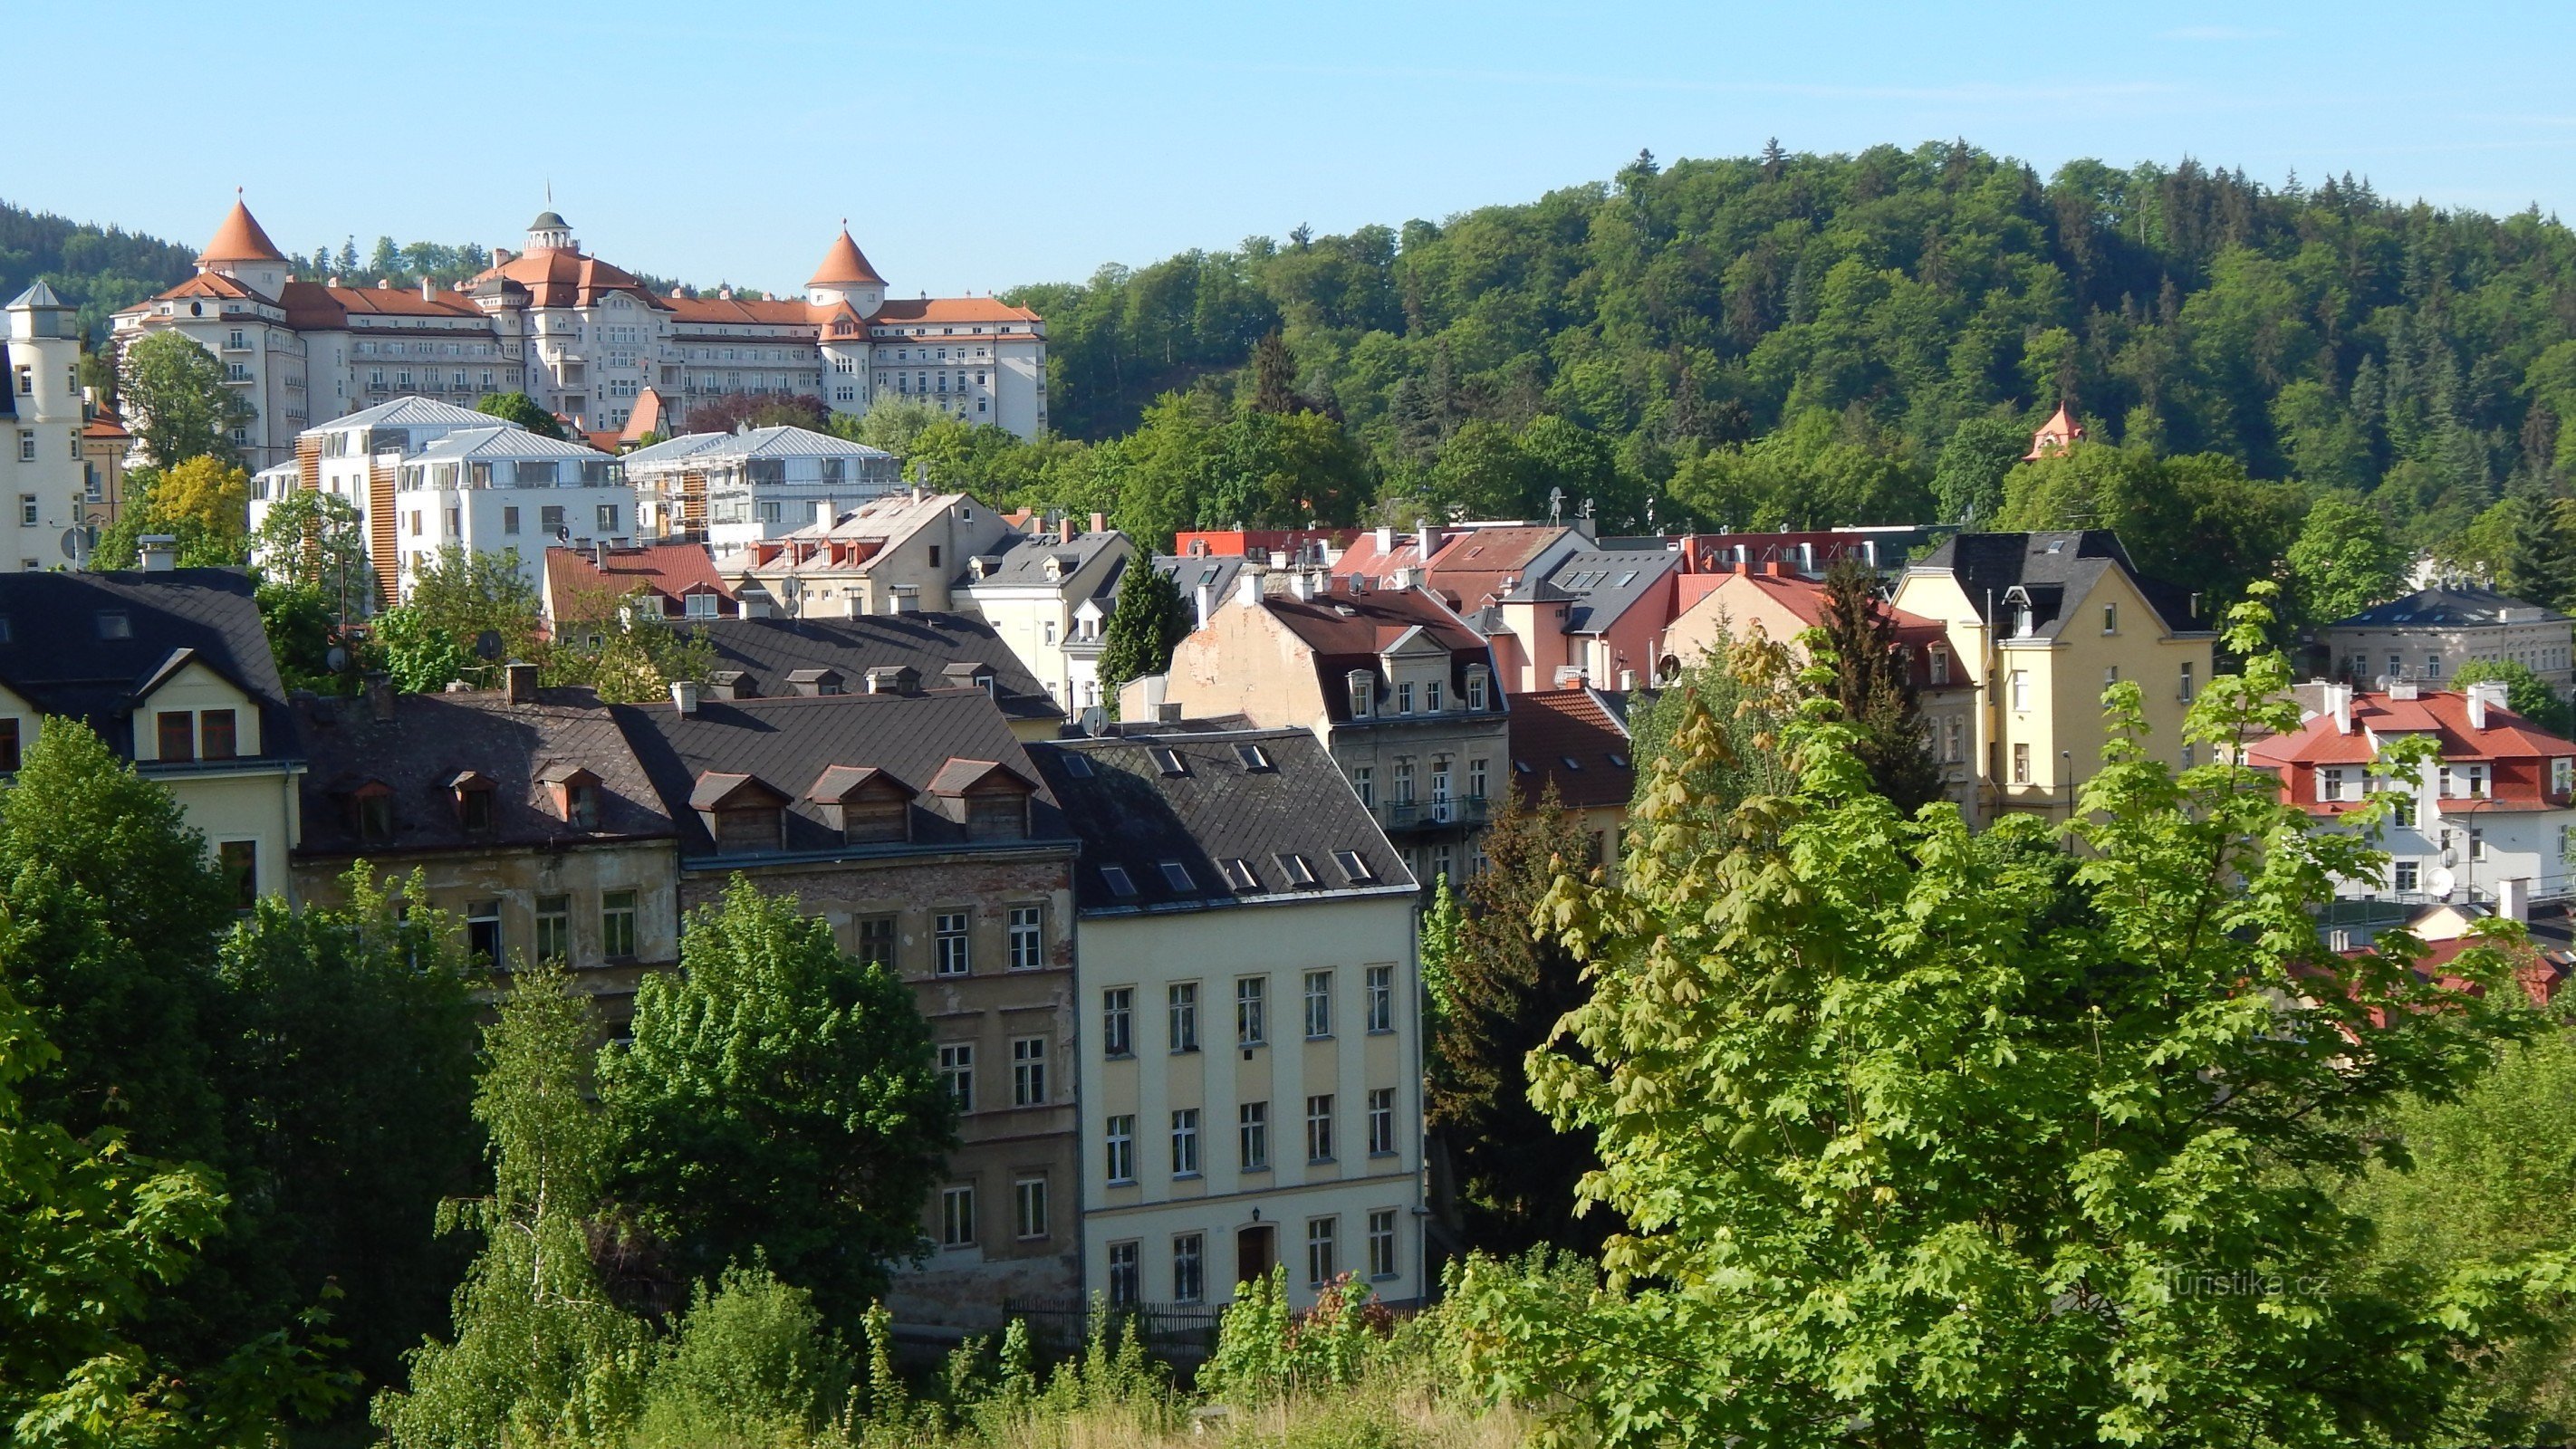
(95,269)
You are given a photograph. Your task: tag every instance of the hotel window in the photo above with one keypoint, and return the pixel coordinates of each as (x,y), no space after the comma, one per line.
(1251,997)
(876,940)
(957,1074)
(1319,1004)
(957,1216)
(1381,998)
(1381,1243)
(1118,1021)
(1252,1121)
(952,956)
(1322,1259)
(239,862)
(554,928)
(216,739)
(1029,1207)
(1119,1137)
(1185,1142)
(1319,1128)
(178,735)
(1028,1072)
(483,931)
(617,925)
(1381,1121)
(1189,1267)
(1027,937)
(1184,1001)
(1122,1275)
(2021,764)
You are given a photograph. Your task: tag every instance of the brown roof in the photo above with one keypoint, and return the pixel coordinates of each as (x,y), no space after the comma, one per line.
(645,417)
(208,284)
(578,587)
(239,239)
(766,312)
(561,277)
(105,425)
(952,309)
(844,265)
(1475,567)
(1570,739)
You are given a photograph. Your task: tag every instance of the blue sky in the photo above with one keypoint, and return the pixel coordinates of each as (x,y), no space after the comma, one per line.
(977,147)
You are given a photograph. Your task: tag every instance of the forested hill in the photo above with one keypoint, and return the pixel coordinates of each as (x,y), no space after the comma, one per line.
(97,270)
(1878,302)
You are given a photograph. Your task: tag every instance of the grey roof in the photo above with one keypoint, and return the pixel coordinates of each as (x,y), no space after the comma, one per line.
(1023,559)
(1599,585)
(549,220)
(38,295)
(1135,815)
(433,738)
(503,440)
(768,650)
(408,412)
(2055,570)
(774,442)
(53,652)
(788,744)
(1189,571)
(2451,607)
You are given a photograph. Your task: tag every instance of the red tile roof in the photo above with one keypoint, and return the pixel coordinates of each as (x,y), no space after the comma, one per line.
(1341,622)
(952,309)
(2441,713)
(1479,565)
(1569,739)
(844,265)
(239,239)
(561,277)
(577,587)
(105,425)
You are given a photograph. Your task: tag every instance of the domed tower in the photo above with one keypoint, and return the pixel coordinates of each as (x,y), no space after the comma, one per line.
(242,251)
(550,233)
(845,276)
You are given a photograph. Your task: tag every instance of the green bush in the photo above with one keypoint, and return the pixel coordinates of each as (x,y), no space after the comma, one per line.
(750,1364)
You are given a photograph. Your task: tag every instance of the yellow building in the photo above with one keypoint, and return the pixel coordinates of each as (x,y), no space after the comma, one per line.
(2043,623)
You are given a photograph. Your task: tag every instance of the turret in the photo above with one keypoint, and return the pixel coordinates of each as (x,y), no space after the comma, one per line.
(845,276)
(550,233)
(242,251)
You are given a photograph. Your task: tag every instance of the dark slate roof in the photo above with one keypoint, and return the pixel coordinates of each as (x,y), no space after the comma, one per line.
(1217,571)
(53,655)
(1575,740)
(1023,559)
(433,738)
(2056,570)
(768,650)
(1600,585)
(790,743)
(2453,607)
(1135,816)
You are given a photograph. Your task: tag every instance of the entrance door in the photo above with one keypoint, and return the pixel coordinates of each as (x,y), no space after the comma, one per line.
(1255,1251)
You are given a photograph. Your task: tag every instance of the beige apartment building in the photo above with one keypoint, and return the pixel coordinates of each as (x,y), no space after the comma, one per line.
(903,553)
(1047,595)
(2426,636)
(1252,1044)
(2043,623)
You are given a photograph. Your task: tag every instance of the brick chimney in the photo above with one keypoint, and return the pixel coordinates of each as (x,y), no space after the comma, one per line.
(519,680)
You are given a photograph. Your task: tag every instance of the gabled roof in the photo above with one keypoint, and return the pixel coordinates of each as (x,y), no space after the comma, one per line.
(1347,630)
(587,583)
(1600,586)
(1023,560)
(927,310)
(2449,607)
(959,777)
(768,650)
(1572,739)
(563,277)
(497,439)
(844,266)
(771,442)
(1474,565)
(841,782)
(54,654)
(2056,570)
(2442,714)
(239,239)
(407,412)
(1135,814)
(564,736)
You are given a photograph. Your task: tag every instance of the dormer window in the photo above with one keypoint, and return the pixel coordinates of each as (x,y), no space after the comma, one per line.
(575,792)
(990,799)
(867,805)
(1476,685)
(371,813)
(741,813)
(473,794)
(1363,689)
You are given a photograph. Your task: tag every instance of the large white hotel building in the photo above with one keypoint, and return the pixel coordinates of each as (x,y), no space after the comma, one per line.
(585,339)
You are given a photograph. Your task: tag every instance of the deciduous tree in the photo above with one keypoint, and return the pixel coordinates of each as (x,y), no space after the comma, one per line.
(177,403)
(520,410)
(1872,685)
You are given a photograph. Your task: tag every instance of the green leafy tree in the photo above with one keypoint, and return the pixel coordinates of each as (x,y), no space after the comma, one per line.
(537,1353)
(1748,689)
(458,597)
(1968,482)
(1872,684)
(177,403)
(1443,946)
(2540,561)
(1508,985)
(751,1362)
(2343,561)
(203,504)
(422,657)
(1919,1151)
(1147,622)
(314,540)
(2525,692)
(520,410)
(629,655)
(778,1097)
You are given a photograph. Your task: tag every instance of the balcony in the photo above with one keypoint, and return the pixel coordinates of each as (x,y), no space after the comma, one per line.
(1433,814)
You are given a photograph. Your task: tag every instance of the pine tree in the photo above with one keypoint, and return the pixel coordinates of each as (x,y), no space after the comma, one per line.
(1149,620)
(1274,376)
(1874,686)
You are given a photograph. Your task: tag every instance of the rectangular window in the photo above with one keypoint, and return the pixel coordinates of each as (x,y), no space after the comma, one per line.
(1322,1259)
(1185,1142)
(1029,1207)
(957,1216)
(1250,997)
(1940,664)
(2186,684)
(1028,1072)
(27,511)
(2562,775)
(1185,1017)
(1189,1267)
(1027,937)
(2021,689)
(1252,1121)
(1122,1275)
(1319,1128)
(2408,875)
(876,940)
(1118,1021)
(239,862)
(554,928)
(1364,780)
(9,745)
(1119,1137)
(608,517)
(1431,696)
(2477,845)
(1381,1121)
(1381,1243)
(509,520)
(951,939)
(483,930)
(1404,698)
(2110,618)
(957,1074)
(2021,764)
(1319,1004)
(178,731)
(617,925)
(215,736)
(1381,998)
(1475,779)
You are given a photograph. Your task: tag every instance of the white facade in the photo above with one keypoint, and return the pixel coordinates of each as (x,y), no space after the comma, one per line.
(729,489)
(42,474)
(1048,596)
(502,489)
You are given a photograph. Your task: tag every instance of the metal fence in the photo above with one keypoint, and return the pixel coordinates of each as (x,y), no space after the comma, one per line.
(1178,1333)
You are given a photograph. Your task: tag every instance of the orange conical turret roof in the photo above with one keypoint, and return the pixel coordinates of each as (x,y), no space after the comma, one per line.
(844,266)
(239,239)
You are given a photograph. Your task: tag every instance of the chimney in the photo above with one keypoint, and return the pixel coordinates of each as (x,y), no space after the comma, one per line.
(2484,695)
(1385,541)
(1301,585)
(428,290)
(380,696)
(1064,529)
(332,282)
(2513,900)
(1100,523)
(684,695)
(1627,680)
(1167,712)
(1807,557)
(501,256)
(902,598)
(2339,704)
(599,554)
(1206,601)
(520,681)
(160,552)
(1247,586)
(1426,539)
(1400,578)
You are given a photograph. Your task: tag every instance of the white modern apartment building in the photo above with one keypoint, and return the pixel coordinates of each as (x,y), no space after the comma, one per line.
(1046,594)
(728,489)
(586,339)
(1252,1051)
(42,473)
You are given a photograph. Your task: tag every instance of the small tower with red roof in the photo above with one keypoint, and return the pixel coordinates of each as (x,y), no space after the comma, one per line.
(2055,436)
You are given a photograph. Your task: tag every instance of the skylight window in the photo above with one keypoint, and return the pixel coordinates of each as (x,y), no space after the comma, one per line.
(1354,869)
(1115,877)
(1627,578)
(115,625)
(1167,761)
(1238,874)
(1571,763)
(1177,876)
(1253,757)
(1522,767)
(1618,761)
(1078,766)
(1297,869)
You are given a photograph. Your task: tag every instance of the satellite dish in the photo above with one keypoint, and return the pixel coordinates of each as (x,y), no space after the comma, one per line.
(76,545)
(337,659)
(2442,880)
(487,645)
(1095,720)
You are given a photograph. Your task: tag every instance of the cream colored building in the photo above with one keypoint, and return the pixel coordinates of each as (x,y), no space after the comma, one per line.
(1047,596)
(43,462)
(2043,624)
(1251,1034)
(902,553)
(2425,638)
